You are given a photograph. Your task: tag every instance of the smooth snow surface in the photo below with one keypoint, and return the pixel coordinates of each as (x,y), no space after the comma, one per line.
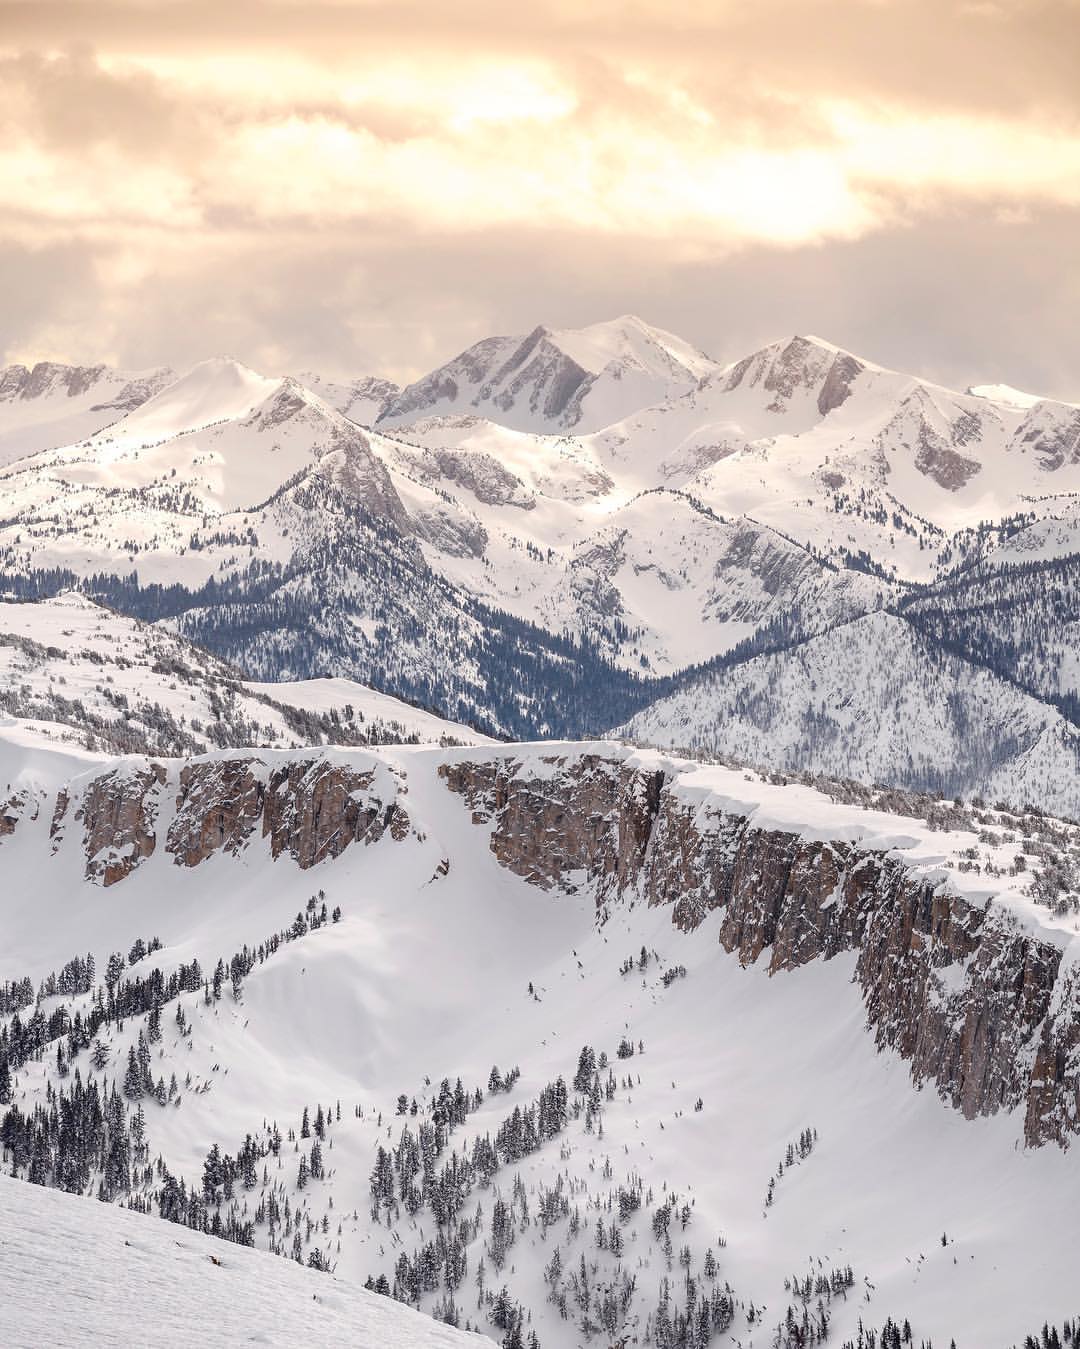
(335,695)
(89,1274)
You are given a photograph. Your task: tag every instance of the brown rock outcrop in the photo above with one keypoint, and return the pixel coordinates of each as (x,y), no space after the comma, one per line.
(310,808)
(118,811)
(218,807)
(315,809)
(588,822)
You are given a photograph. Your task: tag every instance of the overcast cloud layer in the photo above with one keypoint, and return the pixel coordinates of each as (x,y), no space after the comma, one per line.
(368,187)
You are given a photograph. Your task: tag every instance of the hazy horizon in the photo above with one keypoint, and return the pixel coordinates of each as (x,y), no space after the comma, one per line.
(367,188)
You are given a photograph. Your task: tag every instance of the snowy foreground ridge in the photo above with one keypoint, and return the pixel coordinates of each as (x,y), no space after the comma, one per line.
(91,1274)
(568,1043)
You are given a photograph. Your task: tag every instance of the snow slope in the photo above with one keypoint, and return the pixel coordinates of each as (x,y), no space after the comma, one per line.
(445,963)
(82,670)
(58,1255)
(54,404)
(329,696)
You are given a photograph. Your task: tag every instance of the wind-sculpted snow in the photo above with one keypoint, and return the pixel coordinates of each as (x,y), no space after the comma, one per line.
(59,1256)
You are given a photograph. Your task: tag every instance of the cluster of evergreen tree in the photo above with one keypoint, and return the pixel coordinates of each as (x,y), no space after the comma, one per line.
(1012,619)
(641,963)
(1049,1338)
(804,1325)
(95,1132)
(120,999)
(76,1136)
(218,1204)
(15,994)
(892,1335)
(825,1284)
(691,1323)
(75,978)
(141,949)
(498,1082)
(525,1131)
(439,1264)
(414,1176)
(796,1152)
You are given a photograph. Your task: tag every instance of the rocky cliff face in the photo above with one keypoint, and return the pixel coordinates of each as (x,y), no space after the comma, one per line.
(980,1004)
(118,812)
(310,809)
(977,1005)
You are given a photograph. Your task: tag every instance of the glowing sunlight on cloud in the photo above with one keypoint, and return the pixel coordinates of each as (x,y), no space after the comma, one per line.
(704,135)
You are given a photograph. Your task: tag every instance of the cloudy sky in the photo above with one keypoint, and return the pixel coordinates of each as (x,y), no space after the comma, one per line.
(365,186)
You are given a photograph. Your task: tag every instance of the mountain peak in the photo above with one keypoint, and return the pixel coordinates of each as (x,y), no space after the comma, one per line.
(558,379)
(214,390)
(793,365)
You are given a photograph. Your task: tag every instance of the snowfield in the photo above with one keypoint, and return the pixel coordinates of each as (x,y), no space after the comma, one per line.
(59,1258)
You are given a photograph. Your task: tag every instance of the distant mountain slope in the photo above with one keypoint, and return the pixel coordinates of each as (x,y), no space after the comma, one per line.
(90,675)
(548,533)
(874,701)
(678,584)
(361,400)
(53,404)
(852,460)
(1016,611)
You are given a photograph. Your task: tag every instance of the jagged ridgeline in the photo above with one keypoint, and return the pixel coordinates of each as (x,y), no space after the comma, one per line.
(561,533)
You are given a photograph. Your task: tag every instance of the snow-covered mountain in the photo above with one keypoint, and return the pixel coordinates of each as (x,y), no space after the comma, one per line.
(687,1007)
(557,379)
(548,534)
(570,1043)
(875,700)
(361,400)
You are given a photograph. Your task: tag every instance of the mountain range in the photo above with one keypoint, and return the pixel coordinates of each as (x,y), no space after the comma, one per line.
(370,939)
(799,558)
